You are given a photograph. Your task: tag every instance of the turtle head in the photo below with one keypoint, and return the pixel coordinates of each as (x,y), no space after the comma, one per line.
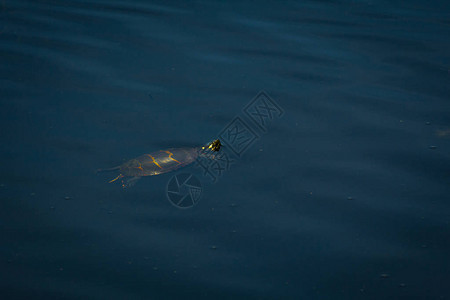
(213,146)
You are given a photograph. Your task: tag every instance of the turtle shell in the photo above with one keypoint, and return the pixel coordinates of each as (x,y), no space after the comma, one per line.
(159,162)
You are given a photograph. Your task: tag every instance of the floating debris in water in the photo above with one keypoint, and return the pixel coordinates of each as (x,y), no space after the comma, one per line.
(155,268)
(402,284)
(384,275)
(32,194)
(213,247)
(433,147)
(67,198)
(349,198)
(427,123)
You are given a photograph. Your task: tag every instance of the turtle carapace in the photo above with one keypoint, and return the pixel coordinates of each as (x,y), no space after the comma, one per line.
(160,162)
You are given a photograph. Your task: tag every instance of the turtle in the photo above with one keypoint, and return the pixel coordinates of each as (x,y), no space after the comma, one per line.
(160,162)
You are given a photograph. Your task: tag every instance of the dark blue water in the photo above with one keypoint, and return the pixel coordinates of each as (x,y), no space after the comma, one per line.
(345,196)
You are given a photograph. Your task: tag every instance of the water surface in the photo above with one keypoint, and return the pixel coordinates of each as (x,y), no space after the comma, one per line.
(343,197)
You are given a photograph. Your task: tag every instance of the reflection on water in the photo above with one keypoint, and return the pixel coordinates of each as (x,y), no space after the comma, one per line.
(345,196)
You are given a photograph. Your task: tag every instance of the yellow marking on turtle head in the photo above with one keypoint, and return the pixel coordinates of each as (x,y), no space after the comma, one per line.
(154,161)
(215,145)
(170,156)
